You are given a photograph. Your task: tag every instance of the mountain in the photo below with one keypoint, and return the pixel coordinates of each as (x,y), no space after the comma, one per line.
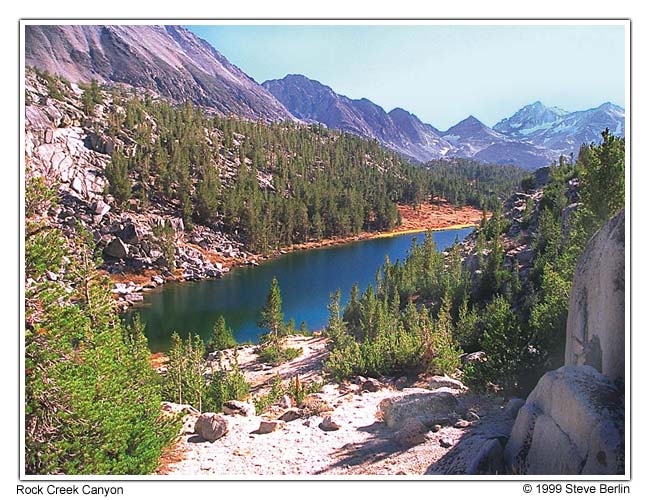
(529,119)
(473,139)
(176,64)
(573,129)
(470,136)
(311,101)
(168,60)
(533,137)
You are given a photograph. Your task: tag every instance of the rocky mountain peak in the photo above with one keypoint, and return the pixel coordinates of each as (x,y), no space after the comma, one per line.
(399,130)
(169,60)
(176,64)
(469,123)
(612,108)
(528,119)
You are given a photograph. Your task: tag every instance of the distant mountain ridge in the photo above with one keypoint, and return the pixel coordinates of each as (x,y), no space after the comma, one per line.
(176,64)
(311,101)
(532,137)
(529,119)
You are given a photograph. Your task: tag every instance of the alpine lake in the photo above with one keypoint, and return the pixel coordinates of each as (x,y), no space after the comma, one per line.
(306,279)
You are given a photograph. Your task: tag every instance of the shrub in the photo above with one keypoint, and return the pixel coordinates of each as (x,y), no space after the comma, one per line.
(297,390)
(227,384)
(505,349)
(276,355)
(273,396)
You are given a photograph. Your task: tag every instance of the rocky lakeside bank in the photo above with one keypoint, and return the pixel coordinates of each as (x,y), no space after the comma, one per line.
(199,260)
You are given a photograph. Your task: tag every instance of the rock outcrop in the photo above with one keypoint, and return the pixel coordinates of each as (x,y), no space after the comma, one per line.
(596,321)
(63,146)
(428,407)
(573,422)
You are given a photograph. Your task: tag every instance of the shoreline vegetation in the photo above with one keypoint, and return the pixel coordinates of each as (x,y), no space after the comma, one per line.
(438,216)
(441,216)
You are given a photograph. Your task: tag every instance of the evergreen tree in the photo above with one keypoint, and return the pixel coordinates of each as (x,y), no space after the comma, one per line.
(446,357)
(185,380)
(271,316)
(222,337)
(117,175)
(602,167)
(92,399)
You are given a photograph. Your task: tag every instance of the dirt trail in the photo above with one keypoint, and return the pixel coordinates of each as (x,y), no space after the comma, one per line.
(363,445)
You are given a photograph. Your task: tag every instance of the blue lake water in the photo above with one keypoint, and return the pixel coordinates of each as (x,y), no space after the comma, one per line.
(306,279)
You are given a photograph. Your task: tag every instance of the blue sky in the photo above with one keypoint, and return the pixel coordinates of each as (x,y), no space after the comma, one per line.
(440,73)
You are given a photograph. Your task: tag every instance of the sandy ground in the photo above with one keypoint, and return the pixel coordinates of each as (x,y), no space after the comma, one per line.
(363,445)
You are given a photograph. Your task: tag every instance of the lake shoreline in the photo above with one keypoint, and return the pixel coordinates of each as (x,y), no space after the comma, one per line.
(439,216)
(427,217)
(344,240)
(408,226)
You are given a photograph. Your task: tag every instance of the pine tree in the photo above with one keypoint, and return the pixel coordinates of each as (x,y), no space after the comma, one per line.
(92,398)
(185,379)
(446,352)
(222,337)
(271,316)
(603,169)
(117,175)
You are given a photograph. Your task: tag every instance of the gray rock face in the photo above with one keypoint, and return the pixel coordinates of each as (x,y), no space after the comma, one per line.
(64,158)
(428,407)
(117,248)
(211,426)
(489,459)
(596,320)
(412,433)
(572,423)
(169,60)
(512,408)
